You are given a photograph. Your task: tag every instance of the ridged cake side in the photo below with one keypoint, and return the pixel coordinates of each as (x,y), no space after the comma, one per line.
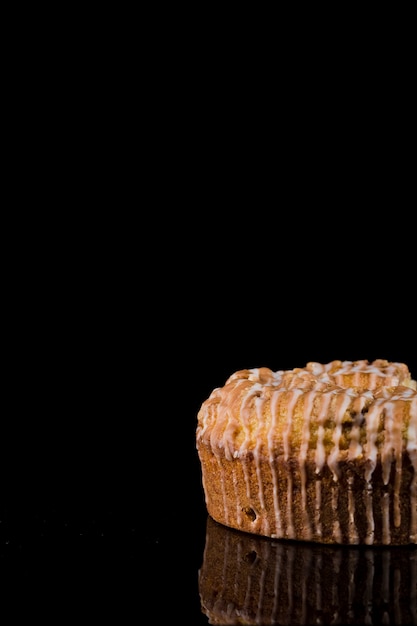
(325,453)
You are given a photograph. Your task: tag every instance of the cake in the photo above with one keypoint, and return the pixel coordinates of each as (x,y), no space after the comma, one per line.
(250,579)
(323,453)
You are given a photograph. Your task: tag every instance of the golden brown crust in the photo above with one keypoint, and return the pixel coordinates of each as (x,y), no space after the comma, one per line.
(326,453)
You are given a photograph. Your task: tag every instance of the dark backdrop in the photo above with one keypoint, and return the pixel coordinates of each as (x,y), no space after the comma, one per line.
(116,332)
(167,220)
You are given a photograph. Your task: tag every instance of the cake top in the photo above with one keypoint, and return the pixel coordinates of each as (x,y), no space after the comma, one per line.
(333,409)
(360,375)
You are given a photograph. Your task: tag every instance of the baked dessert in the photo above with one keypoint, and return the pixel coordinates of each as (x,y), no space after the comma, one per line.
(324,453)
(250,579)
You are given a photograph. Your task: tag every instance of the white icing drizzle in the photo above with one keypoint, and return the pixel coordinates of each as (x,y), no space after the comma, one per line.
(337,534)
(353,534)
(245,415)
(369,539)
(305,438)
(343,402)
(296,393)
(370,447)
(317,509)
(271,452)
(355,448)
(320,456)
(392,450)
(259,404)
(374,372)
(361,407)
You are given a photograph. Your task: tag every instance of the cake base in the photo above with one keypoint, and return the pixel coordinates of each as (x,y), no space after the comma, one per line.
(282,500)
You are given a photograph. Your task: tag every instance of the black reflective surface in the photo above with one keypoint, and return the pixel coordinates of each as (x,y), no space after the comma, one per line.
(251,580)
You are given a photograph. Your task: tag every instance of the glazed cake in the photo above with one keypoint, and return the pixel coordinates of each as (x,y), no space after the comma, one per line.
(325,453)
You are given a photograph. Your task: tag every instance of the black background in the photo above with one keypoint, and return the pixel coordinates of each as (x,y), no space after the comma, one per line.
(115,337)
(168,224)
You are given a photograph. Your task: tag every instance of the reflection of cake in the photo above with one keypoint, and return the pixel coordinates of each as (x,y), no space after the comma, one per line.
(248,579)
(325,453)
